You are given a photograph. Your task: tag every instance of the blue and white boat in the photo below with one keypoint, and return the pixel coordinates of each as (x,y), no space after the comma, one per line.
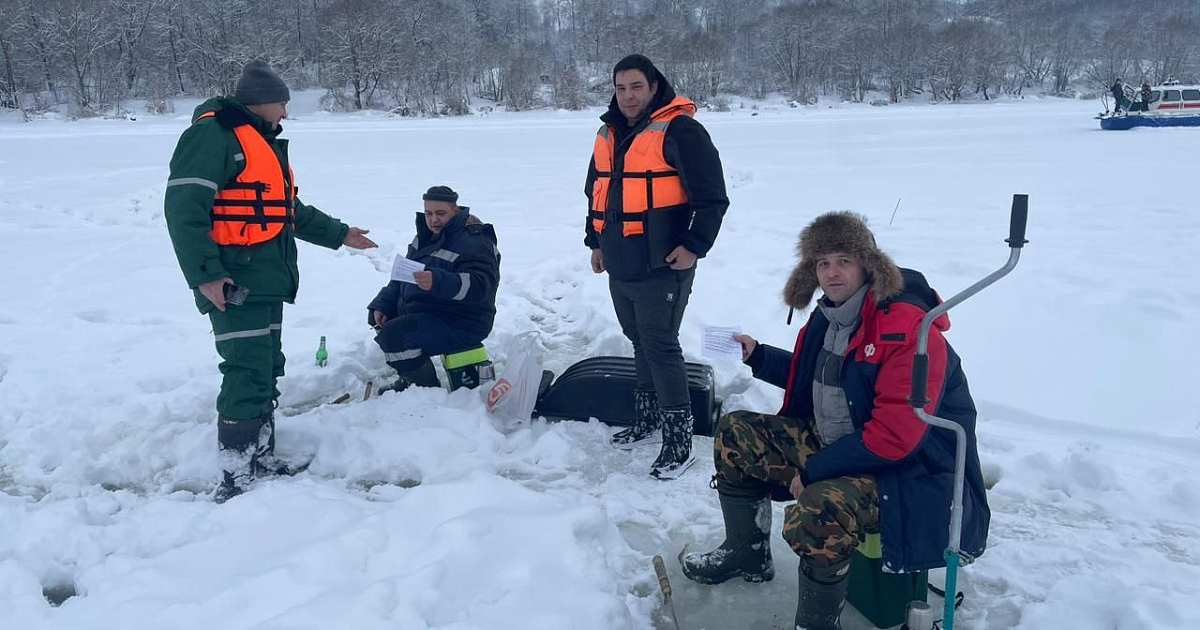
(1170,105)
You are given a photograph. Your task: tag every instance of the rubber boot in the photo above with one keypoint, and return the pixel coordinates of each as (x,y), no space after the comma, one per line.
(647,420)
(237,444)
(266,463)
(746,551)
(822,596)
(675,456)
(424,375)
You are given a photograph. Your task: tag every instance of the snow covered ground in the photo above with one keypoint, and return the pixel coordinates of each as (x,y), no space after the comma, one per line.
(419,511)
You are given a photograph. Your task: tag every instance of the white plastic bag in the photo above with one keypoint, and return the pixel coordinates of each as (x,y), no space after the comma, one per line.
(513,395)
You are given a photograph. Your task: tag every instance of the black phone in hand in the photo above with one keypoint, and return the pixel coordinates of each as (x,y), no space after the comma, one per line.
(235,294)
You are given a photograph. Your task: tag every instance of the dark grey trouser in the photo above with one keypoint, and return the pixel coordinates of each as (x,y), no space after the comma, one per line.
(650,312)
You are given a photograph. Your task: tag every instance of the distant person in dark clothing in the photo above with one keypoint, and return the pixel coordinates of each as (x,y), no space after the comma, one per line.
(1118,94)
(1147,93)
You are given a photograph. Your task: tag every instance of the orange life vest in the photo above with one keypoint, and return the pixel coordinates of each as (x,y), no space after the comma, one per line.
(661,187)
(256,206)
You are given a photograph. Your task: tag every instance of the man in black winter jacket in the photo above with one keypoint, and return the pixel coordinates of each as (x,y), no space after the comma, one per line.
(1118,94)
(452,303)
(656,198)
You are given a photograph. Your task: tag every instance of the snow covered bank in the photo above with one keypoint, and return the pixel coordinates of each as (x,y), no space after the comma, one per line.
(418,513)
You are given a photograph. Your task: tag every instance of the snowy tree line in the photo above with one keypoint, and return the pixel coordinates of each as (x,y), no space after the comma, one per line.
(434,56)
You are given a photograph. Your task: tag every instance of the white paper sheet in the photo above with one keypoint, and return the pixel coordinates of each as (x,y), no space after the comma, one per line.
(403,268)
(720,345)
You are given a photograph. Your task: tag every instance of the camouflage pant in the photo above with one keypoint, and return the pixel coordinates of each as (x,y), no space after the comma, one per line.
(825,525)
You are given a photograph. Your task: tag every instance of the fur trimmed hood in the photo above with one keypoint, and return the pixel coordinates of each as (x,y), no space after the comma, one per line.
(840,232)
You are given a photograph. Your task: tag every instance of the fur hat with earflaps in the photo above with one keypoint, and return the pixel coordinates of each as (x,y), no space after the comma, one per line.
(840,232)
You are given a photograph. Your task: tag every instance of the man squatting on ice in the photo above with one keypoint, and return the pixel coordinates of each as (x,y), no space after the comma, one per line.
(656,198)
(233,216)
(452,305)
(846,444)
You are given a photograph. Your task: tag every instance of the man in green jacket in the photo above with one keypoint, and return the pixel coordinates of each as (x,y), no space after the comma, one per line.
(233,218)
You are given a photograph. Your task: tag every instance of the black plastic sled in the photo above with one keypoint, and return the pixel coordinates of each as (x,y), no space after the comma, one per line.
(602,388)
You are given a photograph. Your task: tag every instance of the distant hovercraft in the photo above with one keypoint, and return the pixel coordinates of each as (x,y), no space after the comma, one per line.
(1170,105)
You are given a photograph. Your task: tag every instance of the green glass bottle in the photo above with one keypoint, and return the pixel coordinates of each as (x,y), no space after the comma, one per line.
(322,354)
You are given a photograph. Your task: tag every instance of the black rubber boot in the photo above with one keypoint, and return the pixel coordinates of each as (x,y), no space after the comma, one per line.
(266,434)
(675,456)
(237,442)
(746,551)
(822,596)
(646,422)
(266,463)
(423,375)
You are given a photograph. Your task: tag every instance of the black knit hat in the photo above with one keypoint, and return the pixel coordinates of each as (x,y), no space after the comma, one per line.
(440,193)
(259,84)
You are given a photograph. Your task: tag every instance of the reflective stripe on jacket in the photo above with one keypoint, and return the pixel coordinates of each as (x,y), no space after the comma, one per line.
(465,262)
(207,156)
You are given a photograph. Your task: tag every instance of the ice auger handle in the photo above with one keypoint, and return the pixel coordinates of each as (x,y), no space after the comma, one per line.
(1016,222)
(920,380)
(1016,241)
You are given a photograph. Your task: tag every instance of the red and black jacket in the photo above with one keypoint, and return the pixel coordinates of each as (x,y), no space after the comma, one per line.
(913,463)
